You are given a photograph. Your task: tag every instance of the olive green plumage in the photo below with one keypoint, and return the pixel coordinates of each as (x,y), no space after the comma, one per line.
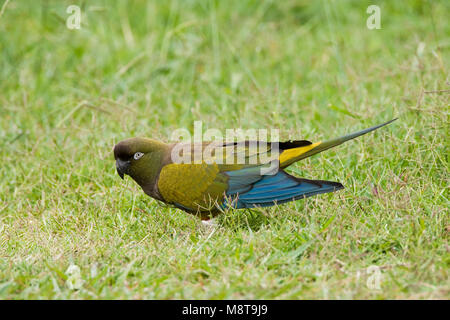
(145,171)
(228,174)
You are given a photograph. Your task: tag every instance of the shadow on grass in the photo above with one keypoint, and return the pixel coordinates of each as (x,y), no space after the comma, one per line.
(235,220)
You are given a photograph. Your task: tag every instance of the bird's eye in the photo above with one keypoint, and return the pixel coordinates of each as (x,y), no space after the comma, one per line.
(138,155)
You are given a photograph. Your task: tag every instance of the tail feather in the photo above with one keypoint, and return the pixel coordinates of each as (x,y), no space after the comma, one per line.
(290,156)
(282,188)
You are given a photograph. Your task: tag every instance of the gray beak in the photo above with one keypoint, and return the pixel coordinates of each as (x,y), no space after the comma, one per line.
(122,167)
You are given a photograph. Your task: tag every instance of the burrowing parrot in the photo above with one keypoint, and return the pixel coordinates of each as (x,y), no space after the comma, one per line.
(207,187)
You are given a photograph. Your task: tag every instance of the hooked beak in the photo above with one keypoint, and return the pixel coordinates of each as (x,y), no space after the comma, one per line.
(122,167)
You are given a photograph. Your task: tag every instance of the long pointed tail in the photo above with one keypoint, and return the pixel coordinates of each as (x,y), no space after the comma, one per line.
(290,156)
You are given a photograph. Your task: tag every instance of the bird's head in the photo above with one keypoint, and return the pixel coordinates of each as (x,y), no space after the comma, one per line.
(140,158)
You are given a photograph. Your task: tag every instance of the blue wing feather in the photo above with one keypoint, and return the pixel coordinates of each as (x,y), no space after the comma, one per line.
(264,191)
(241,181)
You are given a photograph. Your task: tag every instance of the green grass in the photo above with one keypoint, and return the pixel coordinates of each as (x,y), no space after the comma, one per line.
(311,69)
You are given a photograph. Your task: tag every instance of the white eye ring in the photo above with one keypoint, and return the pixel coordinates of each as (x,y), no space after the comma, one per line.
(138,155)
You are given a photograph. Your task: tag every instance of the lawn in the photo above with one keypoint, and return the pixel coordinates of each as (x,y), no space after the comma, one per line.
(71,228)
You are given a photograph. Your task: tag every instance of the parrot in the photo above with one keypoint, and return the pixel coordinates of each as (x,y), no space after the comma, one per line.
(208,187)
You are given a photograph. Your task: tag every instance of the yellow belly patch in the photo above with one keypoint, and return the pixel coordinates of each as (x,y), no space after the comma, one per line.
(191,185)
